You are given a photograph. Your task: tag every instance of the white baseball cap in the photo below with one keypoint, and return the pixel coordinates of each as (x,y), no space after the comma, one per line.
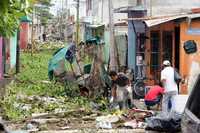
(166,62)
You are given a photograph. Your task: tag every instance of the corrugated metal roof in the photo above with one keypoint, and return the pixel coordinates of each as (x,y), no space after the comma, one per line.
(157,21)
(195,15)
(95,25)
(127,9)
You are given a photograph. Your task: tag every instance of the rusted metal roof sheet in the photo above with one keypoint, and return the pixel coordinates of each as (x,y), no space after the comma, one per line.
(193,16)
(127,9)
(95,25)
(157,21)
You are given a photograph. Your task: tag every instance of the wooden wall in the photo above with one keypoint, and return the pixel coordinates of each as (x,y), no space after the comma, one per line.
(162,27)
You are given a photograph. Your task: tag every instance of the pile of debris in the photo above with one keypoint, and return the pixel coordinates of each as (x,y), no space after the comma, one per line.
(132,119)
(141,119)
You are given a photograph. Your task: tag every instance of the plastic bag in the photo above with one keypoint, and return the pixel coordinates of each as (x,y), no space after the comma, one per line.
(177,77)
(165,122)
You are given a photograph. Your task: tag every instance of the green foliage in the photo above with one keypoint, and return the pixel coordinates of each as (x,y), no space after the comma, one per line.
(41,8)
(10,12)
(32,81)
(10,107)
(44,14)
(45,2)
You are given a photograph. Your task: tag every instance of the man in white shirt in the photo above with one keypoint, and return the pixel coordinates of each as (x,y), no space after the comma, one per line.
(170,86)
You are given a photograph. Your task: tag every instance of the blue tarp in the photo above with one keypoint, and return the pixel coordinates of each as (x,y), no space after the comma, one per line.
(57,62)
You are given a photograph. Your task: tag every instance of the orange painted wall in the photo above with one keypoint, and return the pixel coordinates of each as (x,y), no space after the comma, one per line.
(187,59)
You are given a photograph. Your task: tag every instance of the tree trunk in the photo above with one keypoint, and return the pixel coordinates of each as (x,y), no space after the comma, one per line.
(113,50)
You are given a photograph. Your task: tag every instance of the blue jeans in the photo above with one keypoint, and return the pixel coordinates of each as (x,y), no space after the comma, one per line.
(152,102)
(168,103)
(149,103)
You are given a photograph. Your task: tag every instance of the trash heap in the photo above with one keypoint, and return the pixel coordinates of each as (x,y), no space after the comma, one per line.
(131,119)
(141,119)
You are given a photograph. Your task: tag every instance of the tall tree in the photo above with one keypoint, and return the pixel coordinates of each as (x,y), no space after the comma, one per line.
(41,8)
(10,12)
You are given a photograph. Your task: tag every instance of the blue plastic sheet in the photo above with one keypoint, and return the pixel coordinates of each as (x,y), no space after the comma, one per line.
(56,63)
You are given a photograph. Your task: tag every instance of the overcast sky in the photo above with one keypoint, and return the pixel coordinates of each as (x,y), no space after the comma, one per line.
(58,5)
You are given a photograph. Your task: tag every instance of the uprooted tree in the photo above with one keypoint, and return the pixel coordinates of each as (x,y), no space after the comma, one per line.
(95,82)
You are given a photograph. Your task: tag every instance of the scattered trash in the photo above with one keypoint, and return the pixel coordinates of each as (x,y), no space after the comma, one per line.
(133,124)
(26,107)
(39,121)
(165,122)
(39,114)
(43,121)
(31,127)
(59,110)
(114,106)
(46,81)
(139,114)
(106,121)
(66,127)
(109,118)
(18,131)
(88,118)
(142,125)
(94,106)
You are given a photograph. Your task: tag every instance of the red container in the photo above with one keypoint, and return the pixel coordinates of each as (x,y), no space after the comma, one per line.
(24,33)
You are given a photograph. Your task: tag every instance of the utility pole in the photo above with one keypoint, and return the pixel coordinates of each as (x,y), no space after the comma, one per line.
(151,8)
(102,10)
(113,52)
(32,30)
(77,22)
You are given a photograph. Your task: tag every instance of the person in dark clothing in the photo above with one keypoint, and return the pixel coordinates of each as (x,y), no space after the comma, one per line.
(121,89)
(44,37)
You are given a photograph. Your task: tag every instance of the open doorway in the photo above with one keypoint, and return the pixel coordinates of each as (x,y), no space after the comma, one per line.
(167,48)
(177,47)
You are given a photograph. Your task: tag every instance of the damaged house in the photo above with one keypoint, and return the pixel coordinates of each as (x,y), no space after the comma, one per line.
(160,30)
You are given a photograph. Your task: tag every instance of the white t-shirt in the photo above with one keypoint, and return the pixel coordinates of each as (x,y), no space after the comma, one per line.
(168,74)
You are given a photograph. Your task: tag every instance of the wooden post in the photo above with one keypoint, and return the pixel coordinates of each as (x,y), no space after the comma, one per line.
(18,53)
(77,22)
(32,41)
(151,8)
(113,52)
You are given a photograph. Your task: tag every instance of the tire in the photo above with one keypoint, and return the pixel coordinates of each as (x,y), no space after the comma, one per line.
(139,89)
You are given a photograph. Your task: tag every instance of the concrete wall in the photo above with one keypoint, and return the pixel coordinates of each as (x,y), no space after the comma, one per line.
(13,50)
(100,10)
(117,4)
(159,8)
(167,7)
